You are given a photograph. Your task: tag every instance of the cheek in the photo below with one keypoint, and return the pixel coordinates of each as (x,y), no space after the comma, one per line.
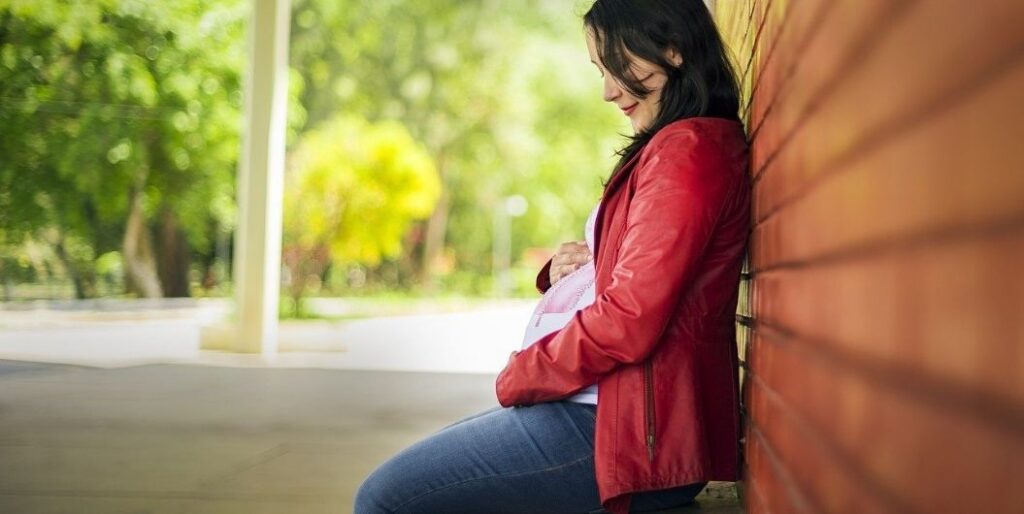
(651,105)
(654,101)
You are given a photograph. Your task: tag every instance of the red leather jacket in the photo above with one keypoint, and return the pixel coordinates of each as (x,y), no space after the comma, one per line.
(659,339)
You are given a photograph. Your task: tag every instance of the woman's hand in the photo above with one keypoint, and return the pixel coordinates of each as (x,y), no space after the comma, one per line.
(568,258)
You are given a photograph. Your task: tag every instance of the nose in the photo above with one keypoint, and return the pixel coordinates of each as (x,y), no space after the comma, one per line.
(612,90)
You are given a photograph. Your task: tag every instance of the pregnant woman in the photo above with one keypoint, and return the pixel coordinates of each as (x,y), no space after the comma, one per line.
(624,395)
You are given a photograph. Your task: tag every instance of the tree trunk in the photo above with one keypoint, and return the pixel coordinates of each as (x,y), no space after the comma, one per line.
(408,262)
(5,283)
(437,227)
(174,258)
(83,287)
(137,249)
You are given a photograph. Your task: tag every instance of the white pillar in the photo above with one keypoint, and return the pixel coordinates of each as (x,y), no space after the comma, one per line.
(257,256)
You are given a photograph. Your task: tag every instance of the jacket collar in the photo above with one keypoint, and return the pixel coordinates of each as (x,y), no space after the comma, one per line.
(610,188)
(623,173)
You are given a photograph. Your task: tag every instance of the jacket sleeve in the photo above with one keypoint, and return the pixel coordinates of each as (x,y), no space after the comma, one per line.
(681,191)
(544,277)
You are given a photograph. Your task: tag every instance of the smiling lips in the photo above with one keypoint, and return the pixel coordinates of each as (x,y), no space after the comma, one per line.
(629,110)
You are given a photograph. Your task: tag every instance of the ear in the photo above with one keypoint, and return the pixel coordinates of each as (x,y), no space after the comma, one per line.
(674,57)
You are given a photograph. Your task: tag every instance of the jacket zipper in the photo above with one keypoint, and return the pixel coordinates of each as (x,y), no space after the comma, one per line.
(649,407)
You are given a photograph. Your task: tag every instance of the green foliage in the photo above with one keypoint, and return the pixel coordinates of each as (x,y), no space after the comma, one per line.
(399,110)
(107,99)
(501,93)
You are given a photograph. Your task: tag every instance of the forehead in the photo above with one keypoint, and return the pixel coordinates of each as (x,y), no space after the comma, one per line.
(591,43)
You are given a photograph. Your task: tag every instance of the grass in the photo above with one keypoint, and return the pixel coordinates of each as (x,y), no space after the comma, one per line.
(351,308)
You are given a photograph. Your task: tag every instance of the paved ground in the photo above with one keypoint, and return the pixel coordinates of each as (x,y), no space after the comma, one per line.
(172,438)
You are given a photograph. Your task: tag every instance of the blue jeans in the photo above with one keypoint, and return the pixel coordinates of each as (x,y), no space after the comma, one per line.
(538,458)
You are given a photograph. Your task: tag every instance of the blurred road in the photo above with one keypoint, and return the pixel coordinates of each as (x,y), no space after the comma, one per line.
(477,339)
(220,432)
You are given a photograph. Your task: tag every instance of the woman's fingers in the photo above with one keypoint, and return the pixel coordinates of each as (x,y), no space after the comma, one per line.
(568,258)
(560,271)
(572,252)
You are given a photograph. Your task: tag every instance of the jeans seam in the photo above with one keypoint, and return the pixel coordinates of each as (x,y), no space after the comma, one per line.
(507,475)
(591,413)
(471,418)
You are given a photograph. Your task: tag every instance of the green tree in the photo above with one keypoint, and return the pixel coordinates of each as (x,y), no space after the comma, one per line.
(120,132)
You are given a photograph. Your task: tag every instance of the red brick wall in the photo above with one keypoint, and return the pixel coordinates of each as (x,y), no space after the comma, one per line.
(883,343)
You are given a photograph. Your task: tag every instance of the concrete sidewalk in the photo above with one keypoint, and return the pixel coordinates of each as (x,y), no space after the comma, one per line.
(171,438)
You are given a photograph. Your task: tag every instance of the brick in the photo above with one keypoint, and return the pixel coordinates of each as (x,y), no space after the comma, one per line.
(927,453)
(911,68)
(947,174)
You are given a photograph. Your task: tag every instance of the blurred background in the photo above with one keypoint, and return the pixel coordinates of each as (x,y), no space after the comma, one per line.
(434,154)
(412,128)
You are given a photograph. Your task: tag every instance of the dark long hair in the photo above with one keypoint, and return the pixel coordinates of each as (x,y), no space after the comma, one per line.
(703,85)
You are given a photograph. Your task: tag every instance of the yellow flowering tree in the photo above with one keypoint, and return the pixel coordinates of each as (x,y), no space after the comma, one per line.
(352,190)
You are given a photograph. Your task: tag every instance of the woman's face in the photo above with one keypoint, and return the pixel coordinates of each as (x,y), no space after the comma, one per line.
(641,111)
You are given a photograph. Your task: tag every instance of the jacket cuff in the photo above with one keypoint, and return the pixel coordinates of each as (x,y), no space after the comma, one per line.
(544,277)
(501,389)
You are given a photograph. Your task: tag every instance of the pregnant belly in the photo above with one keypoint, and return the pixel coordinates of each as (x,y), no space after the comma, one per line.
(560,303)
